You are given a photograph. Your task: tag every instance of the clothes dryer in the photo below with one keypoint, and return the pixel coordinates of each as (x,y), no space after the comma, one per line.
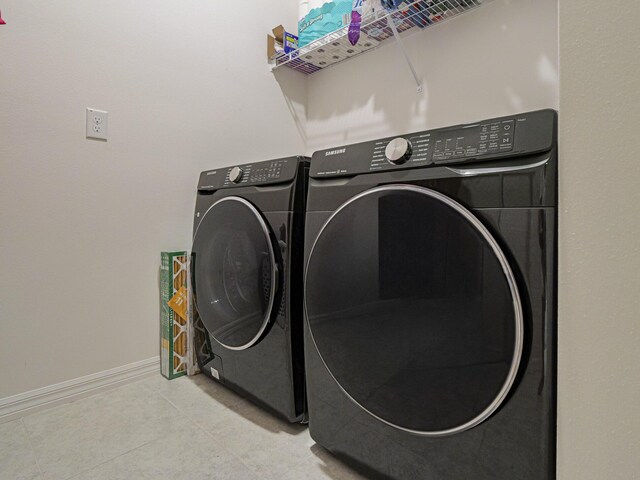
(430,301)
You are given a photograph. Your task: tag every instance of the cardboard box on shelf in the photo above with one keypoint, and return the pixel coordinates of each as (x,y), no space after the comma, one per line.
(274,48)
(280,42)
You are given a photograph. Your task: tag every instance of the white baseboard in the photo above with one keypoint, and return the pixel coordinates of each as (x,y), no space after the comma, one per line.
(26,403)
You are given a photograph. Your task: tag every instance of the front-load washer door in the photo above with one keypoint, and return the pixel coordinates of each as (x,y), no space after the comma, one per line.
(414,310)
(235,273)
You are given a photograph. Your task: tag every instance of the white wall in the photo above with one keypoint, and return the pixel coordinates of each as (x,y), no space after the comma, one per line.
(82,222)
(599,377)
(497,60)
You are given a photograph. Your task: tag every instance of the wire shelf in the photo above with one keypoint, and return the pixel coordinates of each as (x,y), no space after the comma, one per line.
(375,30)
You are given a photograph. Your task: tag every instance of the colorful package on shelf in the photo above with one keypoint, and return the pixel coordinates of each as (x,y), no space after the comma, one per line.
(376,22)
(361,9)
(407,15)
(391,4)
(175,351)
(418,14)
(421,13)
(290,42)
(318,18)
(356,21)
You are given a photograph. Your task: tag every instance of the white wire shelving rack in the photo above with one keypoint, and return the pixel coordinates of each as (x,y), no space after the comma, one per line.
(376,28)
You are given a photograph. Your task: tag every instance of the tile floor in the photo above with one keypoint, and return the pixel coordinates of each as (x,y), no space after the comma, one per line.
(133,431)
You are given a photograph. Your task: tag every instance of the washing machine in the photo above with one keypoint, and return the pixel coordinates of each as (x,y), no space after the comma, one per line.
(430,301)
(246,274)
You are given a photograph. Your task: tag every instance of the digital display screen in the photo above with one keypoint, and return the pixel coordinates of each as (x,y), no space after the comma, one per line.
(482,139)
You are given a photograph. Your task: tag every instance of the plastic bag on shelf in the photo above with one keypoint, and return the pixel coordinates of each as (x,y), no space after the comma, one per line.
(361,10)
(356,21)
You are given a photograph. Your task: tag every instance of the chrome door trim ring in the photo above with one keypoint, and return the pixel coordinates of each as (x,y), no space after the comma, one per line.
(274,267)
(506,268)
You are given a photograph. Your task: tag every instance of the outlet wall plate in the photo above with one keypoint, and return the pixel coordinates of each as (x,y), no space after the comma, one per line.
(97,122)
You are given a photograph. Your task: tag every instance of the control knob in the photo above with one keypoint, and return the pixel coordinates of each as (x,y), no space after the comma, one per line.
(235,175)
(398,151)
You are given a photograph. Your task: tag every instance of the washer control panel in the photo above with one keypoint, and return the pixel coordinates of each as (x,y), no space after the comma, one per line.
(260,173)
(483,139)
(267,171)
(488,140)
(414,149)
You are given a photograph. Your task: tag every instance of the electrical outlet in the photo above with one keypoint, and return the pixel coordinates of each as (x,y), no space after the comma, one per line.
(97,124)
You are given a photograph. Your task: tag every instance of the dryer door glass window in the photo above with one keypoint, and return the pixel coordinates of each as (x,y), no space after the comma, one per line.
(234,273)
(414,310)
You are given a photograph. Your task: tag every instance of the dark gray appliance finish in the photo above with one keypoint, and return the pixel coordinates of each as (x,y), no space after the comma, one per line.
(246,273)
(430,305)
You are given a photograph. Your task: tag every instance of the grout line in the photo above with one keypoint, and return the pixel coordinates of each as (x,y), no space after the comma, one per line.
(307,457)
(139,383)
(84,470)
(33,450)
(124,453)
(217,441)
(190,419)
(93,467)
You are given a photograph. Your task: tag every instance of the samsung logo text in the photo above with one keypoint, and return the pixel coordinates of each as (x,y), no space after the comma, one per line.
(339,151)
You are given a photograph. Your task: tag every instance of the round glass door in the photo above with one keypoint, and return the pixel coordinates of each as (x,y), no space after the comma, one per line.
(234,273)
(414,310)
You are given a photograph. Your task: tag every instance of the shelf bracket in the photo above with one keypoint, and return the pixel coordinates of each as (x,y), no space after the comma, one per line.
(396,35)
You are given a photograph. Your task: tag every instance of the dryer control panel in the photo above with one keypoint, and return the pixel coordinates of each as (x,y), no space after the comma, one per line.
(488,140)
(249,174)
(473,141)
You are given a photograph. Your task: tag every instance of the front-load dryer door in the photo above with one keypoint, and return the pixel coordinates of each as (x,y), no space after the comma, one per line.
(414,310)
(235,273)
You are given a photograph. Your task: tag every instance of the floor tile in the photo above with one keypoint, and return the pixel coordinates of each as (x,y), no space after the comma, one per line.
(17,460)
(201,399)
(201,459)
(270,447)
(193,392)
(321,465)
(76,436)
(135,431)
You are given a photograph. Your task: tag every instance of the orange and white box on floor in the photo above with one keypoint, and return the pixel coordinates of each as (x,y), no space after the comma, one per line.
(176,354)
